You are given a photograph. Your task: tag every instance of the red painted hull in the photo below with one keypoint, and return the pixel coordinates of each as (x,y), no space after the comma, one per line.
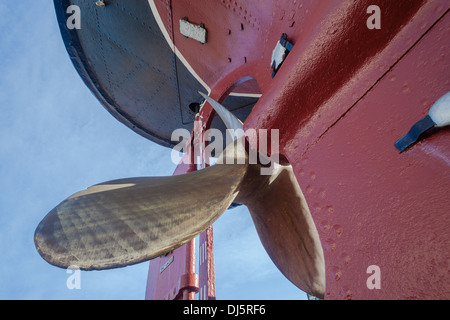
(342,98)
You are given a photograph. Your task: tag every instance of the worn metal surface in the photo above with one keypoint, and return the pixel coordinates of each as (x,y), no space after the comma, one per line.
(206,270)
(374,205)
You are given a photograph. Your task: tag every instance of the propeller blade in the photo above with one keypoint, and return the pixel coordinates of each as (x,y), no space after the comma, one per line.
(230,120)
(123,222)
(285,226)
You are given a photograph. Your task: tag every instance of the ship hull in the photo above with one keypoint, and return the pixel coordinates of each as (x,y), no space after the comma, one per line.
(341,99)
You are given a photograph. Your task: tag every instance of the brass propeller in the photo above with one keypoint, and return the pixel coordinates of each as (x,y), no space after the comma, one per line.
(127,221)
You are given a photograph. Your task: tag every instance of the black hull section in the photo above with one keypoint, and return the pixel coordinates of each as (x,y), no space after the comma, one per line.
(124,59)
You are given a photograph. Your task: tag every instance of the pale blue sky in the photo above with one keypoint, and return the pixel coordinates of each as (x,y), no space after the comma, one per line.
(56,139)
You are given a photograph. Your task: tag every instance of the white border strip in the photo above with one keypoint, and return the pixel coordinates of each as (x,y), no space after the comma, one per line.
(172,45)
(248,95)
